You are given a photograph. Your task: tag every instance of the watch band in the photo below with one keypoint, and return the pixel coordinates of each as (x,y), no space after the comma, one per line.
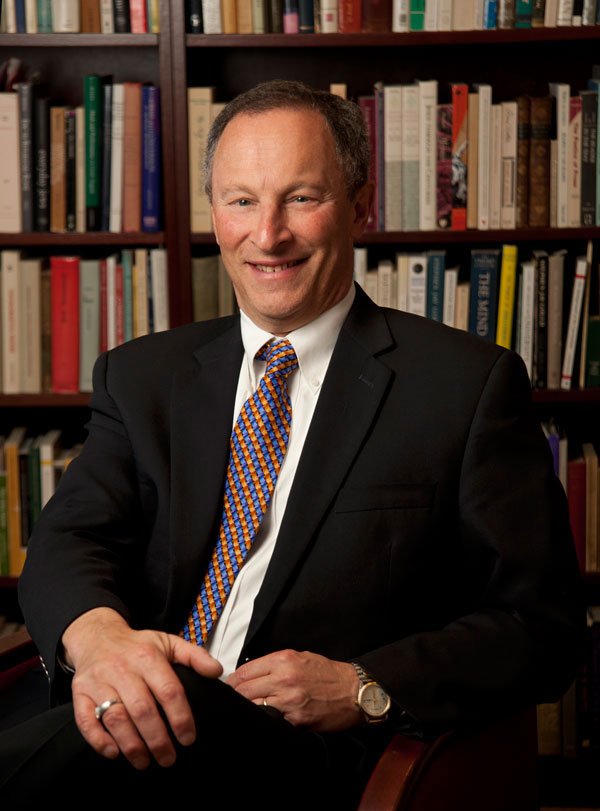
(369,685)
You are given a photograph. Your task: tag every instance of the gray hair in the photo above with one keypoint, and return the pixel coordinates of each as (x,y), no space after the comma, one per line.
(343,118)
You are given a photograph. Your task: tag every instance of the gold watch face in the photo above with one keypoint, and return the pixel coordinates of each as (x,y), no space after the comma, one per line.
(374,700)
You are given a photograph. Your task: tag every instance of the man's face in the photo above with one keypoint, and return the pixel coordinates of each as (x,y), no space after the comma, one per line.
(282,217)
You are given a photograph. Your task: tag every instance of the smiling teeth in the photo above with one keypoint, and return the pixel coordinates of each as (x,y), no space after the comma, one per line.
(271,269)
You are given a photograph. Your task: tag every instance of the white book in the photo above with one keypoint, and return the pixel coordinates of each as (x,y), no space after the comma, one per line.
(561,93)
(574,165)
(140,293)
(556,263)
(461,317)
(30,319)
(160,289)
(372,284)
(200,101)
(478,7)
(462,15)
(392,134)
(360,266)
(49,445)
(31,23)
(116,162)
(10,17)
(445,15)
(551,14)
(80,169)
(410,157)
(386,288)
(496,166)
(400,15)
(589,12)
(10,174)
(483,164)
(111,301)
(65,16)
(329,17)
(107,19)
(428,97)
(211,17)
(508,210)
(450,283)
(579,283)
(526,314)
(11,331)
(402,281)
(417,284)
(564,14)
(431,15)
(89,320)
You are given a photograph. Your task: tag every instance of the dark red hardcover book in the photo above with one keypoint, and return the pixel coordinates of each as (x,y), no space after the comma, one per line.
(64,280)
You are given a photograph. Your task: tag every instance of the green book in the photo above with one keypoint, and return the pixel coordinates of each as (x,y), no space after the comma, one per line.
(44,16)
(592,355)
(92,101)
(127,264)
(417,15)
(35,489)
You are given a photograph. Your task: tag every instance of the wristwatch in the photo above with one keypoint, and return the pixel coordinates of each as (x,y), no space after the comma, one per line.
(372,700)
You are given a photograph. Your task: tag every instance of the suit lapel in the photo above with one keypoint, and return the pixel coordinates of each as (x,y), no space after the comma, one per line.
(202,404)
(352,391)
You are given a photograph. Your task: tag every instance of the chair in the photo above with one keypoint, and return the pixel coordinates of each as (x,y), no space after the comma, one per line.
(491,768)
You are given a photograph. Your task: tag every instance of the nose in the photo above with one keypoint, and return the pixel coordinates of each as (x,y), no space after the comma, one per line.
(272,228)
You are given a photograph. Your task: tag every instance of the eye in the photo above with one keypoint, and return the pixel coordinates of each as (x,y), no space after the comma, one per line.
(300,198)
(243,202)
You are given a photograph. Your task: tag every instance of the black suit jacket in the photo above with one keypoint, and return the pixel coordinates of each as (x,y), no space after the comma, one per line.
(425,535)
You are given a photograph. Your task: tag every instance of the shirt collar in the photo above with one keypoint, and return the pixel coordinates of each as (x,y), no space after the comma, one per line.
(313,343)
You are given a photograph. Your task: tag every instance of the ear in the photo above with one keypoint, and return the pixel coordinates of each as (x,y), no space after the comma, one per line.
(361,207)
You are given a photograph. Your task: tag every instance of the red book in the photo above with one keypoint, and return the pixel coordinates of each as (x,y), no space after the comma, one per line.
(138,16)
(103,308)
(350,16)
(460,108)
(367,107)
(64,285)
(119,305)
(576,490)
(132,158)
(377,16)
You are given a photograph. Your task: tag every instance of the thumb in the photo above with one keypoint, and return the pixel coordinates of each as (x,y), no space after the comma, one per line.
(194,656)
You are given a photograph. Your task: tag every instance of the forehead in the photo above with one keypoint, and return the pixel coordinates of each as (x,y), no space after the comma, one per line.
(290,138)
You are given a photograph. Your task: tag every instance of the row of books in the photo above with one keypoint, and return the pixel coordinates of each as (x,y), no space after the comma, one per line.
(356,16)
(528,304)
(58,316)
(80,16)
(30,468)
(472,163)
(95,167)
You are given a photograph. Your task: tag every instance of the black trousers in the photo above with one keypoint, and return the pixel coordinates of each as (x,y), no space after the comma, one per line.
(244,755)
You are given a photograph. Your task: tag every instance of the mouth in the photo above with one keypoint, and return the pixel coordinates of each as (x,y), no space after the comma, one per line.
(276,268)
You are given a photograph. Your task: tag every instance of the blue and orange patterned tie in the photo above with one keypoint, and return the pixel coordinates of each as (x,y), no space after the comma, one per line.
(256,451)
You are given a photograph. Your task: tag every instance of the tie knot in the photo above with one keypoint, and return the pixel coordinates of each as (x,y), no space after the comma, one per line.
(280,357)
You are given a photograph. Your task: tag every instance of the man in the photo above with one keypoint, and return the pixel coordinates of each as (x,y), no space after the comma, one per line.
(415,535)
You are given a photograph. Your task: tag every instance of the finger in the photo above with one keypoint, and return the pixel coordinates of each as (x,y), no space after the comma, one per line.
(194,656)
(92,729)
(259,688)
(253,669)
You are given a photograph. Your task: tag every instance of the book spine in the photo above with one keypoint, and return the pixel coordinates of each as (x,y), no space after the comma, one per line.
(539,162)
(329,17)
(523,134)
(417,284)
(377,16)
(46,331)
(349,15)
(58,200)
(526,310)
(160,290)
(20,21)
(460,94)
(561,94)
(10,181)
(65,324)
(444,166)
(260,23)
(379,157)
(410,158)
(400,15)
(392,110)
(127,263)
(70,171)
(65,16)
(275,16)
(483,164)
(367,108)
(428,96)
(44,16)
(496,166)
(211,16)
(11,310)
(90,17)
(291,17)
(484,280)
(151,158)
(417,15)
(26,113)
(132,158)
(92,107)
(89,320)
(107,17)
(579,284)
(473,160)
(306,19)
(80,169)
(589,135)
(555,318)
(537,13)
(574,164)
(541,322)
(119,306)
(506,296)
(523,12)
(450,282)
(106,149)
(139,16)
(194,17)
(436,265)
(122,19)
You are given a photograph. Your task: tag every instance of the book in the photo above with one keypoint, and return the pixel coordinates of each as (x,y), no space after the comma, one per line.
(349,16)
(291,17)
(11,312)
(93,112)
(140,293)
(592,365)
(10,148)
(367,108)
(417,284)
(522,176)
(574,164)
(376,18)
(577,295)
(506,296)
(386,291)
(436,265)
(539,162)
(591,507)
(89,320)
(122,16)
(392,106)
(526,315)
(70,170)
(30,325)
(41,164)
(561,93)
(132,157)
(589,164)
(58,188)
(450,283)
(160,289)
(90,17)
(151,164)
(16,548)
(64,274)
(205,287)
(106,155)
(200,100)
(463,294)
(444,166)
(402,282)
(540,320)
(25,91)
(65,16)
(555,317)
(495,166)
(483,305)
(211,16)
(400,15)
(428,96)
(508,200)
(138,16)
(410,158)
(484,92)
(115,221)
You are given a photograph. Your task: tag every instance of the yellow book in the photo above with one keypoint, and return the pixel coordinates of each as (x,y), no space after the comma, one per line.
(16,548)
(506,298)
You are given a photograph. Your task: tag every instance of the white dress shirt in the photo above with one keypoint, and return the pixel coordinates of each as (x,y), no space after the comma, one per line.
(313,344)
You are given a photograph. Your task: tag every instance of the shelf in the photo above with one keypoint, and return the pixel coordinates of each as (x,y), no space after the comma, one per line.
(438,237)
(44,400)
(413,38)
(78,40)
(27,238)
(572,396)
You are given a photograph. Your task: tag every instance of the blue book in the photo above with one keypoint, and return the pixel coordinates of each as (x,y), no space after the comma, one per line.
(523,9)
(484,293)
(150,158)
(490,14)
(436,265)
(307,17)
(20,16)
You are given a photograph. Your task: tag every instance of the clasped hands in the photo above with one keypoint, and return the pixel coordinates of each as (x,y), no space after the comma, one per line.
(114,662)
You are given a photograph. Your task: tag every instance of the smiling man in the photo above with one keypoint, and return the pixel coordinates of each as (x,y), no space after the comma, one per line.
(379,544)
